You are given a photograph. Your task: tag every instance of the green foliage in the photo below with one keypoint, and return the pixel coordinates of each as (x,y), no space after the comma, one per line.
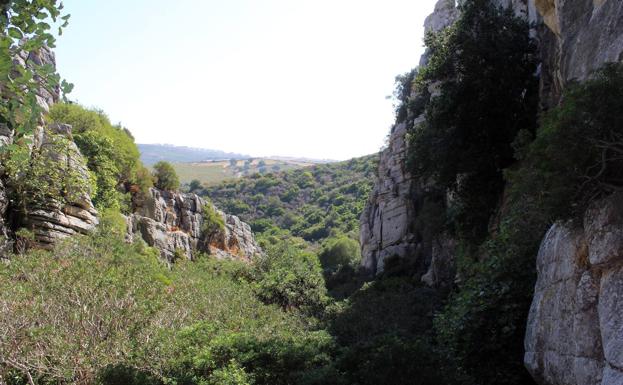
(340,251)
(485,64)
(313,203)
(25,29)
(43,175)
(112,155)
(576,155)
(213,222)
(165,176)
(291,278)
(277,357)
(198,323)
(194,185)
(232,374)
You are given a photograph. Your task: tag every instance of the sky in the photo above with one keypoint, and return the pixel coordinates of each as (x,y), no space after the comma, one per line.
(302,78)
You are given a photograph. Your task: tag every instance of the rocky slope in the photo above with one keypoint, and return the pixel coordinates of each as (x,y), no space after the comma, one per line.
(172,222)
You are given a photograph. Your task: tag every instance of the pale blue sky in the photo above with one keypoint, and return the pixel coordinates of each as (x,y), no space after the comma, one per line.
(261,77)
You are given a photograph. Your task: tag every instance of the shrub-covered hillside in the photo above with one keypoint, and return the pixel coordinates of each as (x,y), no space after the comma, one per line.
(312,203)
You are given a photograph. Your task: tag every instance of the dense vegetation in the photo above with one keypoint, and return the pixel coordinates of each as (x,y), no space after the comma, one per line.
(110,151)
(312,203)
(98,310)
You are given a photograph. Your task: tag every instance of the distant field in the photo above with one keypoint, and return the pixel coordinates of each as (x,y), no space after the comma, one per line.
(213,172)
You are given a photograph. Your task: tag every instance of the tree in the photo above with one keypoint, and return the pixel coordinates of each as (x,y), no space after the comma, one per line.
(485,64)
(24,29)
(165,176)
(195,185)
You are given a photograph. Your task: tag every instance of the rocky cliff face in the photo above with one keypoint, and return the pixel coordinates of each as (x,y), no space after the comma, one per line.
(172,222)
(387,222)
(576,37)
(575,332)
(52,220)
(56,220)
(575,327)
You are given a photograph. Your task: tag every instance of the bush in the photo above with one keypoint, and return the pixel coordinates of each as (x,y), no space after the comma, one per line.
(165,176)
(110,151)
(213,222)
(338,252)
(292,279)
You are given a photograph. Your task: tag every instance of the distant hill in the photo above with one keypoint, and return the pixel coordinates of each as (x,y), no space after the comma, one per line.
(216,171)
(152,153)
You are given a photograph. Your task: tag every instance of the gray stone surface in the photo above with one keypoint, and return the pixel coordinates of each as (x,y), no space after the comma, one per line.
(575,327)
(76,215)
(387,222)
(172,223)
(579,37)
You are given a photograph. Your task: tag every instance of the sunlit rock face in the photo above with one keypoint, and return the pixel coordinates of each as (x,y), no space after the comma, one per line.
(387,222)
(172,222)
(575,328)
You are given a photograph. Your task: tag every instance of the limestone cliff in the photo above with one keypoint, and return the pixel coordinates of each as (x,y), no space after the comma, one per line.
(388,220)
(172,222)
(575,331)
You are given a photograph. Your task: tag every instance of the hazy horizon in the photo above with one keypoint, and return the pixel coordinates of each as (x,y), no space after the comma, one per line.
(280,78)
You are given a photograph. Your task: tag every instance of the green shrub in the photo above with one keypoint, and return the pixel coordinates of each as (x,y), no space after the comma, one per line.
(232,374)
(338,252)
(292,279)
(165,177)
(110,151)
(43,175)
(213,222)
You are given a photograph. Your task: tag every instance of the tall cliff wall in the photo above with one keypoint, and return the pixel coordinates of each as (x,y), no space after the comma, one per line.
(575,332)
(387,222)
(575,328)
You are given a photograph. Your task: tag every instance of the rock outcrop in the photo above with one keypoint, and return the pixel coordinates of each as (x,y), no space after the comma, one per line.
(56,218)
(74,213)
(575,327)
(172,222)
(388,220)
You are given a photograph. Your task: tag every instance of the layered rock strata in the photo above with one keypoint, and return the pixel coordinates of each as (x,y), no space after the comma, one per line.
(73,214)
(173,223)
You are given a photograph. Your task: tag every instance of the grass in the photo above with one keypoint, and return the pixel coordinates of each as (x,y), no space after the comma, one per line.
(217,171)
